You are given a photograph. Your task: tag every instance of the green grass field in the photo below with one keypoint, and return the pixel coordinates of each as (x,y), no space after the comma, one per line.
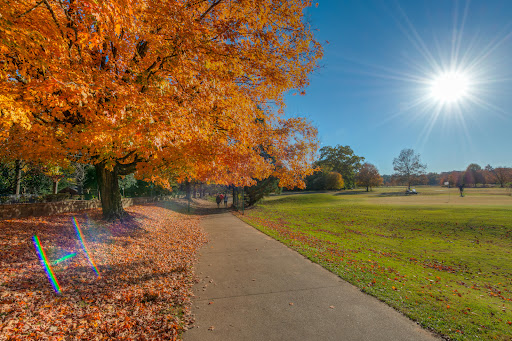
(443,260)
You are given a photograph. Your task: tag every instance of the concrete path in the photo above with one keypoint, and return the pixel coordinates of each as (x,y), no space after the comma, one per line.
(254,288)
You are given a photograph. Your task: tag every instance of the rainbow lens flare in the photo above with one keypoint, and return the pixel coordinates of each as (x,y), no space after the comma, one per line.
(46,264)
(84,246)
(64,258)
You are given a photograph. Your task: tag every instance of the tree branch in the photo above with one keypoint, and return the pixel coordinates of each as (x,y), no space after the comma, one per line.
(30,10)
(54,17)
(128,168)
(127,156)
(73,26)
(212,6)
(21,79)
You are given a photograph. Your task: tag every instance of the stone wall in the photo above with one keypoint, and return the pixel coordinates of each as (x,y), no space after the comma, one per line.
(48,208)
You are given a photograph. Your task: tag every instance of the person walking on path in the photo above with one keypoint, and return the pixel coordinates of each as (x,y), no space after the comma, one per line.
(218,199)
(225,200)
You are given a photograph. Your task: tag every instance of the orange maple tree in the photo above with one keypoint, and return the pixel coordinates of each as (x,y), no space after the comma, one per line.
(368,176)
(184,89)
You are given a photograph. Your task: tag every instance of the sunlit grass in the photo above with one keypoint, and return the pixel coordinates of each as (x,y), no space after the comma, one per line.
(447,266)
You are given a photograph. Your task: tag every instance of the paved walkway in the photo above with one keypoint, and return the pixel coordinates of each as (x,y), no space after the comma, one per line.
(254,288)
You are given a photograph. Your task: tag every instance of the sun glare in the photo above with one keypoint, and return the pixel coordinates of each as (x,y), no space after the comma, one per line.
(450,87)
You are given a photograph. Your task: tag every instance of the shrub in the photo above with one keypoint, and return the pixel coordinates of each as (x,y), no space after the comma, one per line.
(334,180)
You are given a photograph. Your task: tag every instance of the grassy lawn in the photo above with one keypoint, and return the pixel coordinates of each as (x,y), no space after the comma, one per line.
(442,260)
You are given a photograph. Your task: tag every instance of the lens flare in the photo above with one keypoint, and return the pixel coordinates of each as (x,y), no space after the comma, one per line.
(84,246)
(46,264)
(64,258)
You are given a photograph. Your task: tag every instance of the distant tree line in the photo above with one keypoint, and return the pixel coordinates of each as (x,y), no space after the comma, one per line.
(473,176)
(337,168)
(409,171)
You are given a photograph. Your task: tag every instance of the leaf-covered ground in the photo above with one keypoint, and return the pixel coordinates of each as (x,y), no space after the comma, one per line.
(145,285)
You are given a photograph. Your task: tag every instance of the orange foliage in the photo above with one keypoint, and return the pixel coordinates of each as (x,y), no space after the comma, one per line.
(368,176)
(182,88)
(145,286)
(334,180)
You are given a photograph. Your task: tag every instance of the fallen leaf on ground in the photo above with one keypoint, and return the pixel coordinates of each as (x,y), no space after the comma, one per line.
(146,276)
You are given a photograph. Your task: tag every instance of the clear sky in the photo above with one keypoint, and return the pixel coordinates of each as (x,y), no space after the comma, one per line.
(431,75)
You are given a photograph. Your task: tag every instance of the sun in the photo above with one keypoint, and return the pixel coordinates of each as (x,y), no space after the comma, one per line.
(450,87)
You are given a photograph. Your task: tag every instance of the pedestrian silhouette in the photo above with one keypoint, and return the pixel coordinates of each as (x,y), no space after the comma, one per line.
(461,189)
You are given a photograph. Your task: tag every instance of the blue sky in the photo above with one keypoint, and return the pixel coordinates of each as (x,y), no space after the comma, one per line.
(373,91)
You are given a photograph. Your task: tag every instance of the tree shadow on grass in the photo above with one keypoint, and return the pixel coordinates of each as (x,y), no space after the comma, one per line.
(392,194)
(350,192)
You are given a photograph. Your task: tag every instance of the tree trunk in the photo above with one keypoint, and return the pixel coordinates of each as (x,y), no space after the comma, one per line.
(55,188)
(108,183)
(187,190)
(367,188)
(17,175)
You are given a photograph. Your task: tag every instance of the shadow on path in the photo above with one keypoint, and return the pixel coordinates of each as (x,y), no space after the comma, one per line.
(200,207)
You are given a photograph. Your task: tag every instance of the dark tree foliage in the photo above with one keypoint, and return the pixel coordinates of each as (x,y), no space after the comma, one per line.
(473,175)
(32,179)
(433,179)
(6,179)
(387,179)
(316,181)
(254,194)
(91,183)
(35,182)
(341,159)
